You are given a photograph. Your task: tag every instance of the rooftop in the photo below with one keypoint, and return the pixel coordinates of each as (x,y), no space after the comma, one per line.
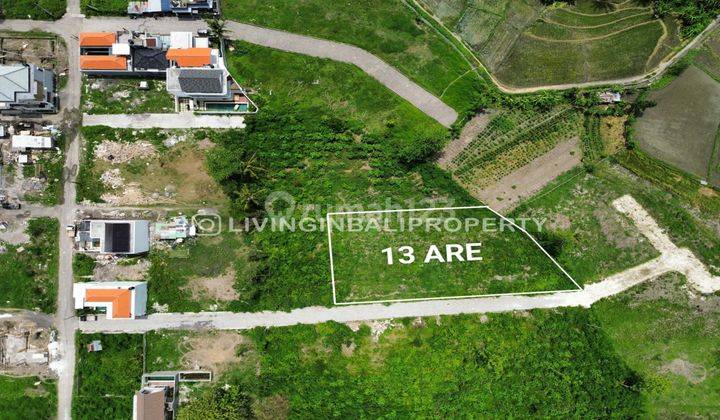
(97,39)
(190,57)
(102,62)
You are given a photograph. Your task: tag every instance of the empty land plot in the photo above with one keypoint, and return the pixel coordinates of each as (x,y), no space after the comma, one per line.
(527,44)
(33,9)
(27,398)
(511,141)
(404,255)
(124,96)
(681,129)
(144,167)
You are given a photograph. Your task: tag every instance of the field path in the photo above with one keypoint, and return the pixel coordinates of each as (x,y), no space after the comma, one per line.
(595,38)
(564,25)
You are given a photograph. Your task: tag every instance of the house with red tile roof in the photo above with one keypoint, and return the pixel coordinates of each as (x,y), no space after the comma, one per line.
(117,299)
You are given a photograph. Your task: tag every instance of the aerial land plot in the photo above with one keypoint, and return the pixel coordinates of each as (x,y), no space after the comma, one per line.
(29,265)
(124,96)
(146,167)
(27,398)
(33,9)
(104,7)
(435,254)
(539,363)
(681,129)
(43,49)
(669,335)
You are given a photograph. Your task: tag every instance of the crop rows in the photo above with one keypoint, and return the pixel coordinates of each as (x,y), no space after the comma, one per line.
(511,141)
(592,144)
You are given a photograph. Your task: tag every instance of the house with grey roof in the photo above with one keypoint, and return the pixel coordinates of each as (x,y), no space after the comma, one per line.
(25,88)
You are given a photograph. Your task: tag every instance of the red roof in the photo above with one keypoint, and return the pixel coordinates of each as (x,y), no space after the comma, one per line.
(190,57)
(103,62)
(97,39)
(120,299)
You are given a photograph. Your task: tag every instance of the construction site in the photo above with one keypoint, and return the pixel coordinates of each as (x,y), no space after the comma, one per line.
(27,345)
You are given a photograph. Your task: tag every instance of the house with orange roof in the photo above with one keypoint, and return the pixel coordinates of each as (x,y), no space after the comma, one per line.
(117,299)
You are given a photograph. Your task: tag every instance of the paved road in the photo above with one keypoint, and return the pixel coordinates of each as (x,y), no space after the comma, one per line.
(179,120)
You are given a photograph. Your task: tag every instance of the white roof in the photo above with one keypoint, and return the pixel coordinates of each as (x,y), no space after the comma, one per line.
(121,49)
(181,39)
(202,42)
(22,142)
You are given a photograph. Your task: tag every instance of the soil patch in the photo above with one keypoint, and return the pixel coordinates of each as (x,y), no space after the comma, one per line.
(215,351)
(216,288)
(112,271)
(690,371)
(469,132)
(123,152)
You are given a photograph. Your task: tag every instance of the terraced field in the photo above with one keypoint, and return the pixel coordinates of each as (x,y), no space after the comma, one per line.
(525,44)
(511,141)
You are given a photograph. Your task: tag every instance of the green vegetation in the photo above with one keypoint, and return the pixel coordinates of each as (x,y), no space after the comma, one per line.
(364,271)
(670,337)
(388,29)
(48,166)
(28,272)
(177,276)
(597,241)
(695,15)
(104,7)
(123,96)
(546,364)
(20,398)
(105,381)
(83,266)
(33,9)
(510,141)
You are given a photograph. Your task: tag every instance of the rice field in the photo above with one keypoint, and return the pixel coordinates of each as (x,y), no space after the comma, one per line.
(526,44)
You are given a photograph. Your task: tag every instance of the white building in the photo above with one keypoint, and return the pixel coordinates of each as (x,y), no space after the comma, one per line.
(22,143)
(118,299)
(126,237)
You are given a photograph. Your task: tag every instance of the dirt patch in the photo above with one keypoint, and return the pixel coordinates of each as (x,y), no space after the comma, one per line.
(708,192)
(558,222)
(377,328)
(214,351)
(612,132)
(524,182)
(112,178)
(216,288)
(690,371)
(469,132)
(113,270)
(615,229)
(122,152)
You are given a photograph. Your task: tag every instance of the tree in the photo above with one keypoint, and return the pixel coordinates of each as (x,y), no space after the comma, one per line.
(218,28)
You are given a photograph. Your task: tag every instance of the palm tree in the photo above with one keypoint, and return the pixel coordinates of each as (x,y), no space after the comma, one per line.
(248,198)
(217,28)
(250,168)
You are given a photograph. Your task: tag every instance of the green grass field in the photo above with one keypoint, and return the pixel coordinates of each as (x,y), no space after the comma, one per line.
(38,10)
(388,29)
(20,398)
(371,263)
(28,277)
(670,337)
(123,96)
(104,7)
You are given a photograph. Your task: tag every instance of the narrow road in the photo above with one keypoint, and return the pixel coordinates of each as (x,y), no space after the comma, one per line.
(175,120)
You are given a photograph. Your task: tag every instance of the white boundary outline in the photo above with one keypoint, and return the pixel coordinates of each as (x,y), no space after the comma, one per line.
(332,266)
